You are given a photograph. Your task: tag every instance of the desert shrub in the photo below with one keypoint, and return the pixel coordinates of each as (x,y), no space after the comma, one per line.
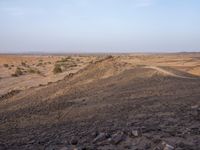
(39,64)
(57,69)
(109,57)
(18,72)
(72,65)
(23,64)
(64,59)
(33,70)
(6,65)
(13,75)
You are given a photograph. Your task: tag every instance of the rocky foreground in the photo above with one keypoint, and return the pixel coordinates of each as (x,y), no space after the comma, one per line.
(108,105)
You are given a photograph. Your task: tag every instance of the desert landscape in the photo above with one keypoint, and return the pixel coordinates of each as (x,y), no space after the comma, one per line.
(105,102)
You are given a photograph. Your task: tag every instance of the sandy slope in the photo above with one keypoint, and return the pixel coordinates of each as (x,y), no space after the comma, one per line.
(44,64)
(170,73)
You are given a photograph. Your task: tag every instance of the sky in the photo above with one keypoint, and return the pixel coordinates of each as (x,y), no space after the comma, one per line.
(69,26)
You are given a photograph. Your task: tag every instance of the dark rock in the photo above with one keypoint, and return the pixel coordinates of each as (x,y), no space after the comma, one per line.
(147,146)
(51,147)
(185,146)
(178,148)
(156,140)
(127,146)
(74,141)
(195,112)
(95,134)
(2,147)
(88,147)
(117,138)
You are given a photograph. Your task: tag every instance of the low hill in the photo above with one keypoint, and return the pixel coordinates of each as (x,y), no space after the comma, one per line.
(110,104)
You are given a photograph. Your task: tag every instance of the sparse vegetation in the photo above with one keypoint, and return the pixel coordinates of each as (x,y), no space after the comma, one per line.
(109,91)
(57,69)
(64,59)
(39,64)
(33,70)
(109,57)
(64,64)
(6,65)
(23,64)
(18,72)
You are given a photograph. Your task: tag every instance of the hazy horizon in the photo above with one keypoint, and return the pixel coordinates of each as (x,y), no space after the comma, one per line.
(94,26)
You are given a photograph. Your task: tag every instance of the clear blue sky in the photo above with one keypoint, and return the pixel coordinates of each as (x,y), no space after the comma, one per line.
(99,25)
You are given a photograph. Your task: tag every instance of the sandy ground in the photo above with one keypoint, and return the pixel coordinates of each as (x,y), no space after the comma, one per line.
(44,64)
(136,102)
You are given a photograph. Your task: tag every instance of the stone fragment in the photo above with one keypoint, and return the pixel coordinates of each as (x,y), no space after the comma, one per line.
(74,141)
(117,138)
(100,137)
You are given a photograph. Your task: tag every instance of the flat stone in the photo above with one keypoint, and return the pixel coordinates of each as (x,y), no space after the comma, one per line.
(167,146)
(117,138)
(100,137)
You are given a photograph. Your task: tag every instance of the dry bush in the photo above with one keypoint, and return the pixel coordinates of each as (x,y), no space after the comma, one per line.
(6,65)
(109,57)
(57,69)
(64,59)
(39,64)
(23,64)
(18,72)
(33,70)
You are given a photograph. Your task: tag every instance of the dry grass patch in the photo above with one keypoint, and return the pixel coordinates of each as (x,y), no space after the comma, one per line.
(18,72)
(57,69)
(6,65)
